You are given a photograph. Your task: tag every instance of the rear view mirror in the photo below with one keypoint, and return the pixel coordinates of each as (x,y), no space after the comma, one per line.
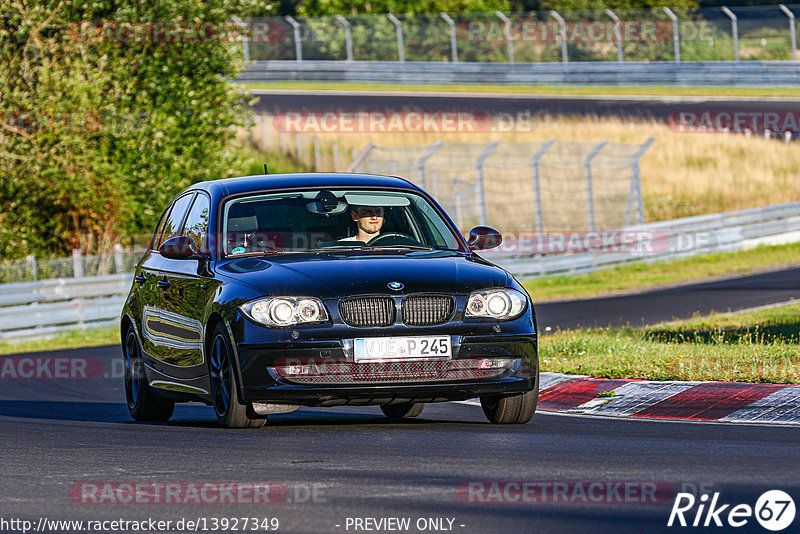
(178,248)
(483,238)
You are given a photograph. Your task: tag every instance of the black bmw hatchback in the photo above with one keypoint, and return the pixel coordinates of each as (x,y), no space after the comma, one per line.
(265,293)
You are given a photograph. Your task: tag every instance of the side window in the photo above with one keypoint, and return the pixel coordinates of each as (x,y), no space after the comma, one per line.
(196,225)
(174,223)
(159,229)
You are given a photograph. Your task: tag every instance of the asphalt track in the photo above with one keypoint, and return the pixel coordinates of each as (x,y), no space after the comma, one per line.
(649,107)
(55,434)
(673,303)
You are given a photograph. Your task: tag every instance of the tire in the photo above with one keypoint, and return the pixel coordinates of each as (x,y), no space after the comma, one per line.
(143,403)
(399,411)
(512,409)
(230,412)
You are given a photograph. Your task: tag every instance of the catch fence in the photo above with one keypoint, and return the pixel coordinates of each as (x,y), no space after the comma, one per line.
(551,185)
(657,34)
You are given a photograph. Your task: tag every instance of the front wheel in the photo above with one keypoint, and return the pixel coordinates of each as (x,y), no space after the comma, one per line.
(224,385)
(513,409)
(143,404)
(399,411)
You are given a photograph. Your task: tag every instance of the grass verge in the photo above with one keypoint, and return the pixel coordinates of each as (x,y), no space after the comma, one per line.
(576,90)
(683,174)
(759,346)
(71,339)
(642,276)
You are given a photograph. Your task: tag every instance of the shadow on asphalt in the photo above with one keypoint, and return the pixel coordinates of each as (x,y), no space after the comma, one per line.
(200,416)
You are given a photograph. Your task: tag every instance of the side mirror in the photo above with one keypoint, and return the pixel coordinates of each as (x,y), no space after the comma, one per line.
(483,238)
(178,248)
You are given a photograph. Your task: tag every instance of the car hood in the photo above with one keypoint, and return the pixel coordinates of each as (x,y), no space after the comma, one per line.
(341,275)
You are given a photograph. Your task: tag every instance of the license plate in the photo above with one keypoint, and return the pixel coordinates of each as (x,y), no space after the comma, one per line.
(392,348)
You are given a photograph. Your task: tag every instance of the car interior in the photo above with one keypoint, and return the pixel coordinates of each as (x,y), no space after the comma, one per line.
(288,223)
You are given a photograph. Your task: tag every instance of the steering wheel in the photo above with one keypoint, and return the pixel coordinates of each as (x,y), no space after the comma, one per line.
(396,235)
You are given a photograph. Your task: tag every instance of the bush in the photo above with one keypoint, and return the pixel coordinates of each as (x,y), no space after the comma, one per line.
(97,134)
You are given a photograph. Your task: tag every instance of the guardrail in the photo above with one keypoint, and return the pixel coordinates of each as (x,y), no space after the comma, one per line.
(685,73)
(35,309)
(719,232)
(44,307)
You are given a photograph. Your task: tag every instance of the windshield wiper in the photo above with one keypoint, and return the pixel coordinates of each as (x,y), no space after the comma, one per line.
(270,252)
(401,247)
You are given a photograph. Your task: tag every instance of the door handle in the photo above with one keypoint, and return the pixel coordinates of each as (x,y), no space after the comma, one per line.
(163,284)
(140,279)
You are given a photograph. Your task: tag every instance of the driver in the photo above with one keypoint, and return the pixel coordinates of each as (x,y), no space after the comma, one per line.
(369,221)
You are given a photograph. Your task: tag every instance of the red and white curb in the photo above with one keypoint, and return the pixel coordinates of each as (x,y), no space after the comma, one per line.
(734,402)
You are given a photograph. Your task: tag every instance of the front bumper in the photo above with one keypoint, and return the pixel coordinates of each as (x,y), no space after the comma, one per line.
(323,373)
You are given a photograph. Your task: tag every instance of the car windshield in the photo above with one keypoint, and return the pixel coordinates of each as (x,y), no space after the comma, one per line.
(320,219)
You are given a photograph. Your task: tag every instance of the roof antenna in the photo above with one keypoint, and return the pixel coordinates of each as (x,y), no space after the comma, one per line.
(266,171)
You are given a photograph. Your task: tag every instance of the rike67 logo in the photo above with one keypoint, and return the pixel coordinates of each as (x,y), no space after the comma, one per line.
(774,510)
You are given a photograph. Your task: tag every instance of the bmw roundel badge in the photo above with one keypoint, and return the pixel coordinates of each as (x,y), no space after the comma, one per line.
(397,286)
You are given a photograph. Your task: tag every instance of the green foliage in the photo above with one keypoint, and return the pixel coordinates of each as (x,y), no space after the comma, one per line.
(585,5)
(316,8)
(97,134)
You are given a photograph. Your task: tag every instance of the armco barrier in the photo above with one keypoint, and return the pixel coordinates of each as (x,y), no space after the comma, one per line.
(34,309)
(718,232)
(685,73)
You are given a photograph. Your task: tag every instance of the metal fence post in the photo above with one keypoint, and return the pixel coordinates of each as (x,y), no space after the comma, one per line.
(77,263)
(587,169)
(398,28)
(617,33)
(789,14)
(507,31)
(245,39)
(33,266)
(264,121)
(562,34)
(734,31)
(317,155)
(453,42)
(358,159)
(537,190)
(480,193)
(298,47)
(348,37)
(676,40)
(298,146)
(335,155)
(635,193)
(424,160)
(119,258)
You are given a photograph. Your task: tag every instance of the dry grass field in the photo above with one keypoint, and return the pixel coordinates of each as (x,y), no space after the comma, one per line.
(682,173)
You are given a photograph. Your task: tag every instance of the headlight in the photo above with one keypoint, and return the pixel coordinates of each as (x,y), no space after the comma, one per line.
(286,311)
(496,303)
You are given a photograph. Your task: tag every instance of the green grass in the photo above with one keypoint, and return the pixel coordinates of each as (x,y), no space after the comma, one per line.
(72,339)
(642,276)
(533,89)
(759,346)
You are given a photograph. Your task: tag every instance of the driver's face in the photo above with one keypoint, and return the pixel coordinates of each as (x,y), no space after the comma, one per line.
(368,219)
